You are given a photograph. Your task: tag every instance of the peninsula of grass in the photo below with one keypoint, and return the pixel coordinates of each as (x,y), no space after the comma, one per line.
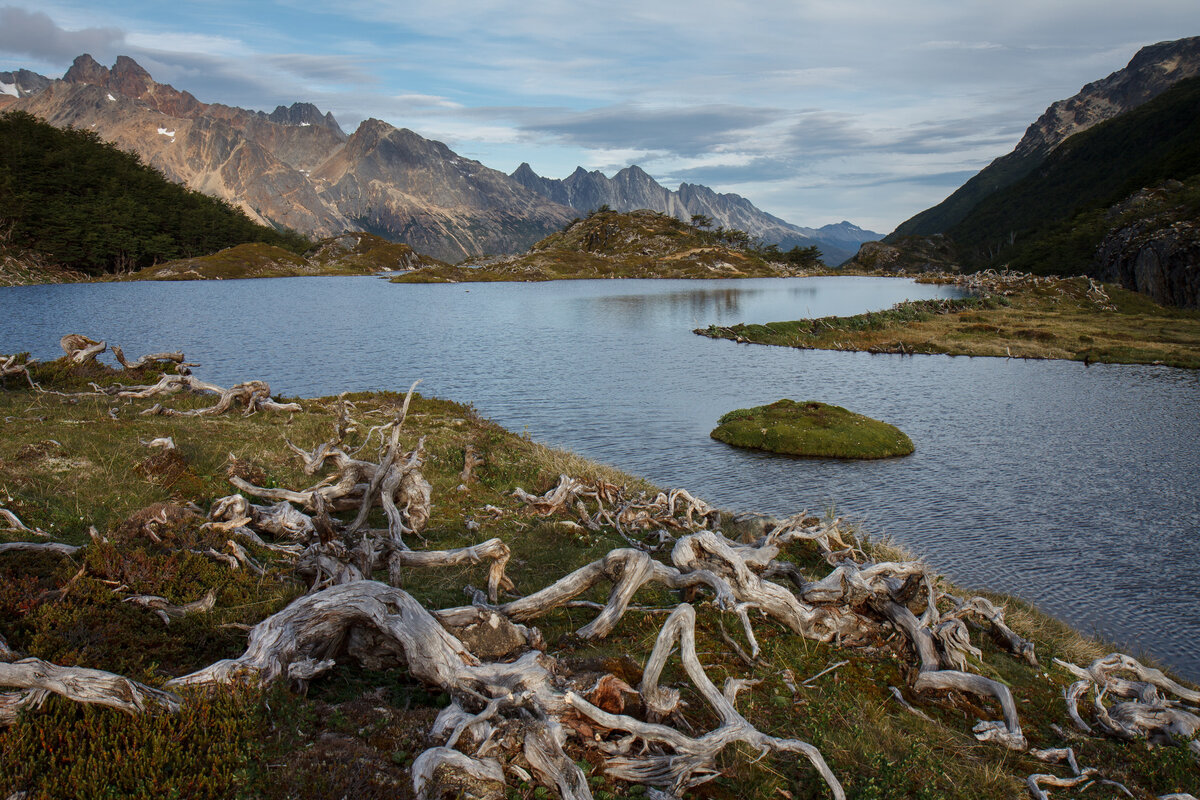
(812,429)
(68,463)
(1014,317)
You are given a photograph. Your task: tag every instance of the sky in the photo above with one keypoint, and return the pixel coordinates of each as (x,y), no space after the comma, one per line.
(817,111)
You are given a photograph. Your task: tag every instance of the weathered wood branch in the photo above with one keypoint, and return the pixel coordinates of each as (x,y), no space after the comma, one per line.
(685,761)
(13,523)
(80,349)
(37,679)
(39,547)
(146,360)
(166,610)
(9,368)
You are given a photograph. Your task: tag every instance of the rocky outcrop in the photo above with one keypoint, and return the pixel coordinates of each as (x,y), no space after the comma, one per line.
(1157,254)
(1153,70)
(910,255)
(633,188)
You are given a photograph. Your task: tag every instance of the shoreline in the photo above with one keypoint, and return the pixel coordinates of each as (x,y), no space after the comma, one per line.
(1012,316)
(58,440)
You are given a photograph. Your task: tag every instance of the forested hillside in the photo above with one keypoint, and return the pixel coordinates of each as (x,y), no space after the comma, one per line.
(1053,220)
(91,207)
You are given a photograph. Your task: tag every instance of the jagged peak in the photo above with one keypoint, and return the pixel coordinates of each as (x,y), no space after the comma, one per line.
(634,171)
(126,66)
(85,69)
(524,171)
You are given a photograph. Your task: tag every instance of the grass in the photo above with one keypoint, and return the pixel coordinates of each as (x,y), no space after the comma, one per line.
(811,429)
(66,464)
(1052,318)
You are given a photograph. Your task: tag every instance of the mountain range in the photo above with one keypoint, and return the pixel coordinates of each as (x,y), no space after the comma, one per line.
(632,188)
(296,168)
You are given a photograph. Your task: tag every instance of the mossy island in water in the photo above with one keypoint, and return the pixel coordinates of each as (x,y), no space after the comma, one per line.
(811,429)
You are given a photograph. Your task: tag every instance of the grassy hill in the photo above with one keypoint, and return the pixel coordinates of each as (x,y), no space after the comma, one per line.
(88,206)
(636,244)
(349,254)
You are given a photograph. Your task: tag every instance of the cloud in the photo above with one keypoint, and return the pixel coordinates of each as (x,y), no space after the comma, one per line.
(685,131)
(957,45)
(323,68)
(35,34)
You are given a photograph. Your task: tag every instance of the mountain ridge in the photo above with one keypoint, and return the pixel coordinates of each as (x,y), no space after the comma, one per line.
(1151,71)
(289,168)
(632,188)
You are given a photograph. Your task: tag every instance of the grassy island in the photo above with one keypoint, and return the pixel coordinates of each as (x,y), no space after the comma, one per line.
(1010,315)
(222,631)
(811,429)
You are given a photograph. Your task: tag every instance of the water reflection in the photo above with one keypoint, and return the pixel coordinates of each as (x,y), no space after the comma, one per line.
(1071,486)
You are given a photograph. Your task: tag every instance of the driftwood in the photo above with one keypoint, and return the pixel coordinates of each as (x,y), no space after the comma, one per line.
(253,396)
(13,523)
(146,360)
(9,367)
(80,349)
(36,680)
(379,625)
(166,610)
(36,547)
(1147,713)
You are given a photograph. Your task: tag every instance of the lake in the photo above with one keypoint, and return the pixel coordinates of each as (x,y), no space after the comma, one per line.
(1074,487)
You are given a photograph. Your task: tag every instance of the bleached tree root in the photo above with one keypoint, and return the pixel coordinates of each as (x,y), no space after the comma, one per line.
(39,547)
(12,522)
(80,349)
(10,368)
(1148,713)
(683,761)
(167,610)
(146,360)
(37,679)
(380,625)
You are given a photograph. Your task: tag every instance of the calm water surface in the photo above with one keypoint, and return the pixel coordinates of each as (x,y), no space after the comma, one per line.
(1074,487)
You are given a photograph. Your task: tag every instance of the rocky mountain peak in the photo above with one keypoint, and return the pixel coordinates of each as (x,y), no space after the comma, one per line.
(304,115)
(85,69)
(1151,71)
(21,83)
(128,77)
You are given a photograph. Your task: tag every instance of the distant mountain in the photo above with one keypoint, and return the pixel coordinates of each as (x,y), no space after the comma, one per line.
(1153,70)
(632,188)
(21,83)
(295,167)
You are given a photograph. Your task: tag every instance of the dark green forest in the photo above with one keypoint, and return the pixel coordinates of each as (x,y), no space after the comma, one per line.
(89,206)
(1052,220)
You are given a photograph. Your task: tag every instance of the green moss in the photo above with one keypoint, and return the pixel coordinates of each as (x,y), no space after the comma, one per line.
(811,429)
